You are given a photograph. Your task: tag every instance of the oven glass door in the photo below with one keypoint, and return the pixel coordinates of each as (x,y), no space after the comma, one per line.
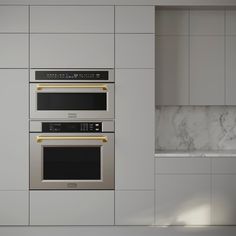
(72,163)
(81,162)
(72,101)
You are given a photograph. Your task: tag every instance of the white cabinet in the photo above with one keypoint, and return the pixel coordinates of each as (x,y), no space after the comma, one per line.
(183,165)
(223,191)
(190,56)
(223,199)
(134,19)
(172,70)
(72,19)
(14,50)
(207,22)
(224,165)
(183,199)
(14,159)
(72,50)
(134,51)
(72,207)
(134,129)
(134,208)
(14,19)
(207,79)
(172,22)
(14,207)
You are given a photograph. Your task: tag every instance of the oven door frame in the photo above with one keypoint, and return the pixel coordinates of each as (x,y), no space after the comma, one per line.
(103,140)
(107,88)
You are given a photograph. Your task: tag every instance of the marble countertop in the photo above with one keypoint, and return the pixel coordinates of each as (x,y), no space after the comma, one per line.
(195,153)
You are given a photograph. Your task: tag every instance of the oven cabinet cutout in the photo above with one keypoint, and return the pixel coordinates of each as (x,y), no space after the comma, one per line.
(72,207)
(72,50)
(71,161)
(62,101)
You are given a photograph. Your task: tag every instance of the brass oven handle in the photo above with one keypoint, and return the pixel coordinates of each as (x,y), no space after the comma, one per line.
(98,138)
(99,86)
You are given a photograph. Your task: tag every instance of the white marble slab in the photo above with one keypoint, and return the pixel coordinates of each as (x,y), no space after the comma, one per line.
(191,128)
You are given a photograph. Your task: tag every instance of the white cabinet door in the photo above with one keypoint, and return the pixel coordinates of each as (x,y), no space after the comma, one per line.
(14,51)
(14,207)
(231,70)
(14,19)
(183,199)
(14,133)
(134,129)
(134,207)
(223,199)
(207,68)
(135,50)
(72,207)
(72,19)
(172,22)
(207,22)
(172,70)
(134,19)
(72,51)
(183,165)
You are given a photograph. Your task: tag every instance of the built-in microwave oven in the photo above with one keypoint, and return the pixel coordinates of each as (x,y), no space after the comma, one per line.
(72,94)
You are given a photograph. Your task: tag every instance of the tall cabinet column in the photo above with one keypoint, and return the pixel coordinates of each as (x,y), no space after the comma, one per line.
(134,75)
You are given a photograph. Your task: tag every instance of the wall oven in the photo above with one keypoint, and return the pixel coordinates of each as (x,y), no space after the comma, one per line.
(72,93)
(72,155)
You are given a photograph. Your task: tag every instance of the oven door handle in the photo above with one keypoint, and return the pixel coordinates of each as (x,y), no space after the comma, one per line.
(104,139)
(72,86)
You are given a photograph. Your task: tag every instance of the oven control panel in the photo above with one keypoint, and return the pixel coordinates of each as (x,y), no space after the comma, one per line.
(71,75)
(71,127)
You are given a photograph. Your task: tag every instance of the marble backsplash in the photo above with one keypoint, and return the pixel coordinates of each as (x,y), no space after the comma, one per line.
(196,128)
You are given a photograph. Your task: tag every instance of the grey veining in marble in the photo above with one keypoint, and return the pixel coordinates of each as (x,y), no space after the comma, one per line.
(196,128)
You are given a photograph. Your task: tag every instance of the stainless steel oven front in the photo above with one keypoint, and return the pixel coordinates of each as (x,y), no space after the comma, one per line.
(72,155)
(72,94)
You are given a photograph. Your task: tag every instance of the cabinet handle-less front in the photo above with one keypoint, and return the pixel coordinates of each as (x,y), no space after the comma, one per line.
(51,86)
(98,138)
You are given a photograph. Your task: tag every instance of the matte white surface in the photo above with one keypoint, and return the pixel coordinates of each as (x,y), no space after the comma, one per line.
(134,50)
(231,22)
(119,231)
(125,2)
(14,153)
(72,19)
(224,165)
(230,70)
(72,51)
(183,199)
(223,199)
(134,207)
(134,19)
(14,19)
(14,50)
(172,22)
(172,70)
(207,70)
(14,208)
(134,150)
(72,207)
(183,165)
(207,22)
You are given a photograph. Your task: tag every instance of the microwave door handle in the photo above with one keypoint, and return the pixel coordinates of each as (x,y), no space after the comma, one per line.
(72,86)
(104,139)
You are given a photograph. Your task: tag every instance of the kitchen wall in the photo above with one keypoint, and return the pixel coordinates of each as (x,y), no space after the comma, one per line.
(196,127)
